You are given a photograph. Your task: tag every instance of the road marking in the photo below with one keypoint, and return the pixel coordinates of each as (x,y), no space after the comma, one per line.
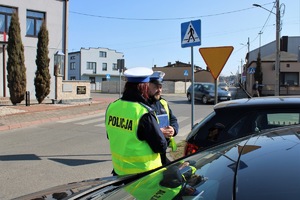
(89,121)
(181,119)
(81,118)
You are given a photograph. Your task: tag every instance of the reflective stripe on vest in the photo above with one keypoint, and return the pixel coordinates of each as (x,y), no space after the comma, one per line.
(164,103)
(129,154)
(148,187)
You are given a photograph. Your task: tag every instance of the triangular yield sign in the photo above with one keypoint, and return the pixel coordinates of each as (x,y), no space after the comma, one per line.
(215,58)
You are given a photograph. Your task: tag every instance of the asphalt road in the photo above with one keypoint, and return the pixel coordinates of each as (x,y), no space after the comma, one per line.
(60,152)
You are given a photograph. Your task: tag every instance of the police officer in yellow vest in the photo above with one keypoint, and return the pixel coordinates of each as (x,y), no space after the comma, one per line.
(167,120)
(135,138)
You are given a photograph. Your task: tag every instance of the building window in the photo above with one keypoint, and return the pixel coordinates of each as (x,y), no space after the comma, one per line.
(102,54)
(73,78)
(34,21)
(90,65)
(104,66)
(72,66)
(5,18)
(72,58)
(92,80)
(114,67)
(289,78)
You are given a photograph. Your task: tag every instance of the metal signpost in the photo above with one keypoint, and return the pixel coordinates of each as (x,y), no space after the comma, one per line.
(185,74)
(191,36)
(120,65)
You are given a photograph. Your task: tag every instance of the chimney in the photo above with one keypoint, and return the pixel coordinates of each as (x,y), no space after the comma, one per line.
(284,43)
(169,63)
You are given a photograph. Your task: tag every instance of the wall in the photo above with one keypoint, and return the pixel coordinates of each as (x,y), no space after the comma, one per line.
(69,91)
(169,87)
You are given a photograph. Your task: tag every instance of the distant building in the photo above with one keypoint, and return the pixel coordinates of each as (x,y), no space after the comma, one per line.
(31,15)
(289,66)
(94,64)
(180,71)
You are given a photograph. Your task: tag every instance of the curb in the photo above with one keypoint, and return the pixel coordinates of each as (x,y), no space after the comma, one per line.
(36,122)
(69,114)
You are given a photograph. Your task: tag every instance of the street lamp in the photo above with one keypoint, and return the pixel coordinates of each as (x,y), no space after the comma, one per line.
(277,62)
(58,71)
(59,63)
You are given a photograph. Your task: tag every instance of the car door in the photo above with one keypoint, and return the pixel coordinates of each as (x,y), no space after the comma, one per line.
(197,91)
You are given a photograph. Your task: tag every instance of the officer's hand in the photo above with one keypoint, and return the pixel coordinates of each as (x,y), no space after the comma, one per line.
(168,131)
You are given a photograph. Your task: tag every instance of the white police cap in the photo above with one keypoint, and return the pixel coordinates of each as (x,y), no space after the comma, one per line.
(157,77)
(138,74)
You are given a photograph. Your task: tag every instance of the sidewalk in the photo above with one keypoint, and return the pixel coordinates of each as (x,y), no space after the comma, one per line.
(13,117)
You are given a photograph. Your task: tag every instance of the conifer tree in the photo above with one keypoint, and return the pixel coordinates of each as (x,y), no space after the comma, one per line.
(42,74)
(258,75)
(16,70)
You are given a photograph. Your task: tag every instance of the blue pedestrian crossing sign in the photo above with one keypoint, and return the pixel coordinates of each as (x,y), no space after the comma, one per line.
(251,70)
(107,76)
(185,73)
(191,33)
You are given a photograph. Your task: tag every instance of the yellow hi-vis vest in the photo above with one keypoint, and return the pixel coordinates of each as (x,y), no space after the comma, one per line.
(164,103)
(129,154)
(149,186)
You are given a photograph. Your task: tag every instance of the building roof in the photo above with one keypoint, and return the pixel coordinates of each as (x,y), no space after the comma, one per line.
(284,56)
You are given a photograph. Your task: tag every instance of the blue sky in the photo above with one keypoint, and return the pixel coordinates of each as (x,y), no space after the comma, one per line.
(148,33)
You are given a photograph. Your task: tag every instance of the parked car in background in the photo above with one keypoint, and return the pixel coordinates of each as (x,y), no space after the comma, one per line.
(260,167)
(237,118)
(223,86)
(205,92)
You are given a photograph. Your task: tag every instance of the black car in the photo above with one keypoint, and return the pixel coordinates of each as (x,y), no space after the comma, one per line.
(205,92)
(260,167)
(237,118)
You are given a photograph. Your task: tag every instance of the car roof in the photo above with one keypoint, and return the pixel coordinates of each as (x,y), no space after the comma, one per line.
(204,83)
(260,166)
(255,162)
(267,158)
(260,102)
(264,166)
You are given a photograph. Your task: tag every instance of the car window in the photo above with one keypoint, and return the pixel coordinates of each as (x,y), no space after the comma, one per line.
(283,119)
(238,127)
(262,121)
(208,87)
(266,120)
(206,120)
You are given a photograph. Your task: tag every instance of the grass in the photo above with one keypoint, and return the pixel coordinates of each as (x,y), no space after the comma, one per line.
(179,152)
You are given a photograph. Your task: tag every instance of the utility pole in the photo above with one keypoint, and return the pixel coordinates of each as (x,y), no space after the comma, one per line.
(277,62)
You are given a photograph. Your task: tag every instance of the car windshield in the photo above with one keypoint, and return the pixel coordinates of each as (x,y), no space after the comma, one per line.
(208,87)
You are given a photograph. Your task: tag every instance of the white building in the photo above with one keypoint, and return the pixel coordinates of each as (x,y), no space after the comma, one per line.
(31,15)
(94,64)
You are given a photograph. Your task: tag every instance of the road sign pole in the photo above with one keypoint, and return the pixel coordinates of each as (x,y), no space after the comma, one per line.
(216,90)
(193,93)
(190,37)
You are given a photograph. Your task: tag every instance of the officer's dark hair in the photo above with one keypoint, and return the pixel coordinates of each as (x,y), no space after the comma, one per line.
(143,88)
